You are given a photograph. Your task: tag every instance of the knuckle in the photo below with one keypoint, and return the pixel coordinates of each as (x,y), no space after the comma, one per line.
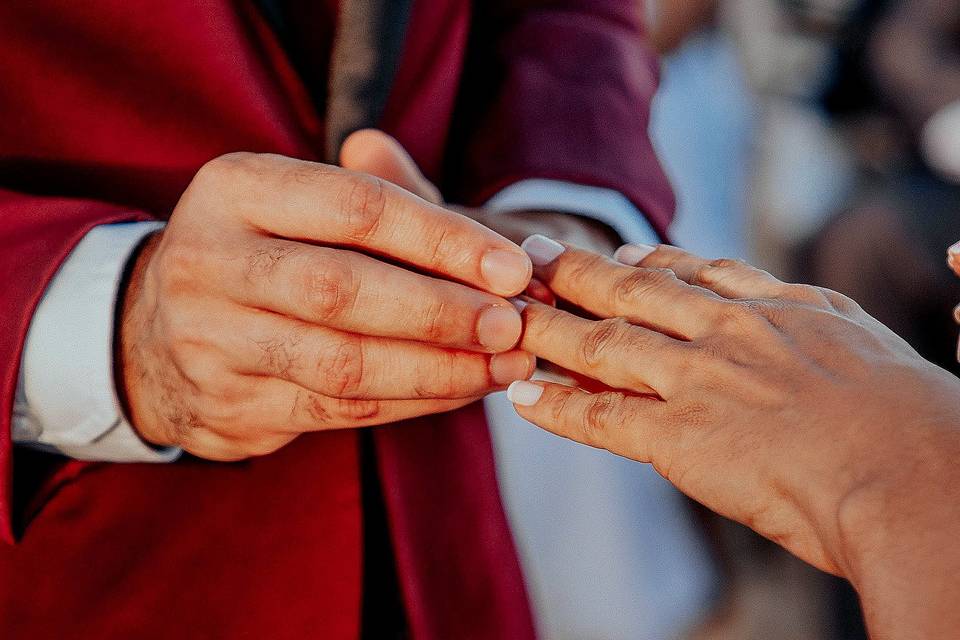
(280,357)
(364,203)
(637,285)
(805,294)
(340,367)
(262,262)
(226,169)
(446,378)
(445,251)
(601,339)
(328,288)
(713,271)
(838,301)
(727,263)
(350,411)
(600,416)
(315,406)
(732,318)
(760,315)
(583,271)
(179,264)
(434,323)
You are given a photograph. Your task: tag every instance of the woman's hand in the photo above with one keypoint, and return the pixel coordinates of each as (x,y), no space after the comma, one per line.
(782,406)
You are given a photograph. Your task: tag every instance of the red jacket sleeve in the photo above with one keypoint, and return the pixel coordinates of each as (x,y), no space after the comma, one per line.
(36,235)
(559,89)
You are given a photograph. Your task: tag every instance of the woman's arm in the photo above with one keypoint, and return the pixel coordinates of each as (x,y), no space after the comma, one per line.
(781,406)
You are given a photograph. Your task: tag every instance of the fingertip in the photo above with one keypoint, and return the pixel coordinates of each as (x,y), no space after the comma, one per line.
(506,272)
(508,367)
(541,249)
(524,393)
(499,327)
(633,254)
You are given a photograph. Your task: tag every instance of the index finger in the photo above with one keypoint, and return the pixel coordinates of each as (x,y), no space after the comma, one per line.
(727,277)
(324,204)
(654,298)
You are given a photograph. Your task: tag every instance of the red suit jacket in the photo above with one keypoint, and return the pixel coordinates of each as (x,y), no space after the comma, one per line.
(107,108)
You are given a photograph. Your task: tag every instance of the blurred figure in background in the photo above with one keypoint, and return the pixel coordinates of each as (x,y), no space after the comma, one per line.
(896,97)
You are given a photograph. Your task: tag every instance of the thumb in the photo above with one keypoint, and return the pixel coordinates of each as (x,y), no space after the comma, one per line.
(374,152)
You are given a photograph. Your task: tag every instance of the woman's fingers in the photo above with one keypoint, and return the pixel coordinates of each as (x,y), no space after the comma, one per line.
(655,298)
(353,292)
(615,352)
(350,366)
(727,277)
(629,426)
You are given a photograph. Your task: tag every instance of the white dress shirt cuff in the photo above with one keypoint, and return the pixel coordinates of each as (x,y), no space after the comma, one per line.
(603,205)
(67,400)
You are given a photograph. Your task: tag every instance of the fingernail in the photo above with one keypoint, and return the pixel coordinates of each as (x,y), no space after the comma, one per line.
(507,367)
(498,328)
(505,271)
(523,393)
(518,304)
(954,249)
(633,254)
(542,250)
(956,314)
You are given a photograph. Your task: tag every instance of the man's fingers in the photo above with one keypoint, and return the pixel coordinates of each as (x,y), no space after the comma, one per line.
(615,352)
(356,293)
(729,278)
(609,420)
(346,365)
(655,298)
(290,408)
(323,204)
(374,152)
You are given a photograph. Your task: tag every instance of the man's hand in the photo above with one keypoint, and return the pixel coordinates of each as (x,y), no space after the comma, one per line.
(264,309)
(785,407)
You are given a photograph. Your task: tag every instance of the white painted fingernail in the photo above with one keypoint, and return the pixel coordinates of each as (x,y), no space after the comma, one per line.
(518,304)
(523,393)
(954,249)
(633,254)
(542,250)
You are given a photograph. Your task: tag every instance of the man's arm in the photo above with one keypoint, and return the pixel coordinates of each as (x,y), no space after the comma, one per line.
(66,397)
(38,233)
(558,91)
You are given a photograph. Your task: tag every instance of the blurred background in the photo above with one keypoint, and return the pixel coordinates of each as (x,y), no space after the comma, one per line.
(819,139)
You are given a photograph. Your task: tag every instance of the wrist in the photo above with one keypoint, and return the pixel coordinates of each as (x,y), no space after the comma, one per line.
(128,340)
